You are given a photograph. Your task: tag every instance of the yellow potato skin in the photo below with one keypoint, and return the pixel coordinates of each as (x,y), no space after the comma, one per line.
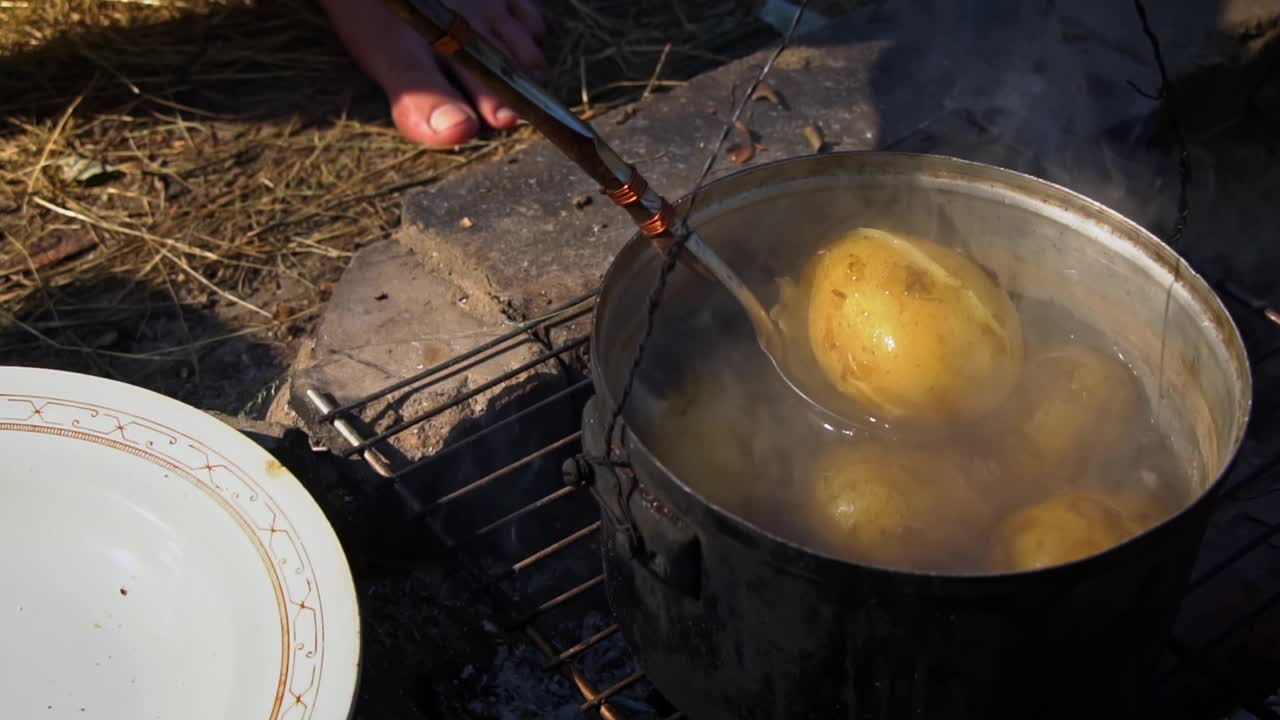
(894,506)
(1077,404)
(912,330)
(717,460)
(1062,529)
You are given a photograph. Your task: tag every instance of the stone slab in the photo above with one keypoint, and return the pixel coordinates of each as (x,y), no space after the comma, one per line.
(389,319)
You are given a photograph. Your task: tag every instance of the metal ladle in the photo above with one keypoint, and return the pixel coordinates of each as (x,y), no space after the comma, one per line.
(451,36)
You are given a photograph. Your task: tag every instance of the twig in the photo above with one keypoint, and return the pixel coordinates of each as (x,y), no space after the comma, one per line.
(1168,92)
(182,320)
(679,11)
(34,263)
(31,263)
(82,217)
(111,70)
(205,281)
(165,355)
(402,185)
(392,188)
(657,71)
(48,146)
(163,241)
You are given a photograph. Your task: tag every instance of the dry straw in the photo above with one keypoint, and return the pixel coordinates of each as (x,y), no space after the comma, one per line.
(211,152)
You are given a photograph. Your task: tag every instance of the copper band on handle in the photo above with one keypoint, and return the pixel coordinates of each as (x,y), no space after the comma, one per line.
(630,191)
(451,42)
(660,222)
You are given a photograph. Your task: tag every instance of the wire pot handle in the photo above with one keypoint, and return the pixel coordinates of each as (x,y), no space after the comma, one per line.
(450,35)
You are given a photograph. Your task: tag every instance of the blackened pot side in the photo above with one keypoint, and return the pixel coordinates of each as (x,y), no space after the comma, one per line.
(764,631)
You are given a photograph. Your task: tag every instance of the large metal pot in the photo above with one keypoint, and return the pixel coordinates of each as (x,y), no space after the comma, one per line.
(730,621)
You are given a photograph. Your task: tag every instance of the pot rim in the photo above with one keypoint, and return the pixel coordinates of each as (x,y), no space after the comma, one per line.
(1202,293)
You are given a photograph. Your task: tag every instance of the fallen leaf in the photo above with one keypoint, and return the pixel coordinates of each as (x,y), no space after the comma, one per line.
(752,136)
(282,313)
(741,153)
(79,169)
(765,91)
(813,134)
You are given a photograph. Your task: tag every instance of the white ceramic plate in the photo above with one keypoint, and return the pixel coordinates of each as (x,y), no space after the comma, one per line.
(156,563)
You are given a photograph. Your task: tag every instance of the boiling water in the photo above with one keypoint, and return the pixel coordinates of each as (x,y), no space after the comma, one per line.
(721,421)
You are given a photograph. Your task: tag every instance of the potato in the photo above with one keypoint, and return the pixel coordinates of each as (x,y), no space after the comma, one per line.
(1062,529)
(704,442)
(896,506)
(1076,405)
(912,330)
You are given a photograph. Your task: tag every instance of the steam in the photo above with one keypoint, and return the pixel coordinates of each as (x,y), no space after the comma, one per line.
(1039,84)
(1027,82)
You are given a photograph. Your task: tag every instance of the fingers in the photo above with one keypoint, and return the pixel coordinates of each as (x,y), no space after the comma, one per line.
(427,109)
(519,42)
(515,28)
(425,104)
(527,14)
(491,108)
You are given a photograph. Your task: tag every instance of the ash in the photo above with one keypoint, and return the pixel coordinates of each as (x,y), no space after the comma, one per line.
(516,687)
(610,661)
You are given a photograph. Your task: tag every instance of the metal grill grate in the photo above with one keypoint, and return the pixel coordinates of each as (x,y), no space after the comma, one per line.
(546,589)
(545,614)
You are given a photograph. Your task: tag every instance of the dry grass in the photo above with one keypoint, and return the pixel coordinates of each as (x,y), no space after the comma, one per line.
(179,175)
